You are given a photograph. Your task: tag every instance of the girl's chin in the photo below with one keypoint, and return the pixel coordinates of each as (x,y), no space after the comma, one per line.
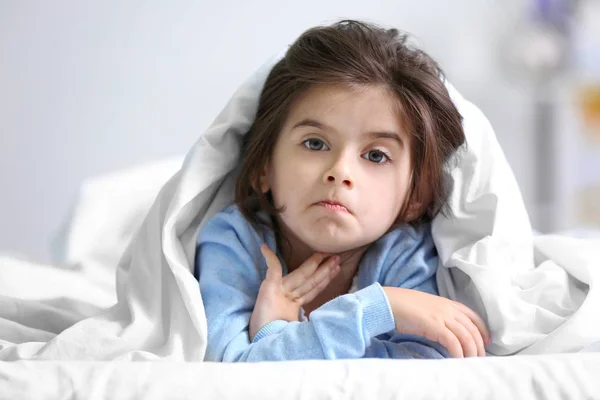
(337,248)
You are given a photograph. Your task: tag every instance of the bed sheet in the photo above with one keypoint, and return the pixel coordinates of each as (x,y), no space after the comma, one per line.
(565,376)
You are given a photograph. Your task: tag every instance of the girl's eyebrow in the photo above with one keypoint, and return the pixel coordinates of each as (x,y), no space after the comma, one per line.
(311,123)
(373,135)
(386,135)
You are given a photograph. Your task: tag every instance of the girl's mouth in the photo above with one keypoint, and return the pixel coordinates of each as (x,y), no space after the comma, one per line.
(333,206)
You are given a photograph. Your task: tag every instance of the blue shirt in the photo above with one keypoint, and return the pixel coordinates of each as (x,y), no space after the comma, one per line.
(230,269)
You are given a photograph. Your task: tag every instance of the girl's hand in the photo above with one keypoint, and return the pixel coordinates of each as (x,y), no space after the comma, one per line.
(452,324)
(280,298)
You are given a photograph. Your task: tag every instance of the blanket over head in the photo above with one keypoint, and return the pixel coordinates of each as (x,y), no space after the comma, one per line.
(537,294)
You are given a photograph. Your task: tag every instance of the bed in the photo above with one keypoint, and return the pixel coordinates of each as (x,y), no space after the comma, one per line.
(565,376)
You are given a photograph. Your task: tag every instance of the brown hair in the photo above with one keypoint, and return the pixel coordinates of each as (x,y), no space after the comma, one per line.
(358,54)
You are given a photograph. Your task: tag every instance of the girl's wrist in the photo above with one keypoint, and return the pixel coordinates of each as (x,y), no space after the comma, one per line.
(393,293)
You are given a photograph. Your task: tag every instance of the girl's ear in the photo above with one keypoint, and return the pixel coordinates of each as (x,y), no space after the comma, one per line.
(411,214)
(414,211)
(264,181)
(415,204)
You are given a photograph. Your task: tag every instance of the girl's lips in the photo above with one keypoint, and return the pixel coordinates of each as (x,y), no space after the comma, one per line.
(332,206)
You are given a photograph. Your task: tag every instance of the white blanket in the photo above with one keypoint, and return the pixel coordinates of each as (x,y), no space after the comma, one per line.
(538,295)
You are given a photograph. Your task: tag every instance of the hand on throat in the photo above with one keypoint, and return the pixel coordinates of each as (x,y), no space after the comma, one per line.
(295,252)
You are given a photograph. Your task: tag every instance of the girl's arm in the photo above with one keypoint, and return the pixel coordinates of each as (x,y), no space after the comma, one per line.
(400,346)
(231,270)
(418,262)
(342,328)
(423,319)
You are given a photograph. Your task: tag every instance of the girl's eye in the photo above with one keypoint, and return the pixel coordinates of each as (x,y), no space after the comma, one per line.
(315,144)
(377,157)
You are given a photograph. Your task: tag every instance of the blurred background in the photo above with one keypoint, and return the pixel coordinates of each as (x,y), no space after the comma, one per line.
(88,88)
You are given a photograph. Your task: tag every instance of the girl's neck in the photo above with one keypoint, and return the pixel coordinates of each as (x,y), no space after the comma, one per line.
(295,252)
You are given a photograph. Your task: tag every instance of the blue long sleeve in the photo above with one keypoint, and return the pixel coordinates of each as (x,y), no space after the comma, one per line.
(230,269)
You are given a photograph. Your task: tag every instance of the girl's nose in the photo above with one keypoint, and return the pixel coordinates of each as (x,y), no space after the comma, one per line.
(345,182)
(340,172)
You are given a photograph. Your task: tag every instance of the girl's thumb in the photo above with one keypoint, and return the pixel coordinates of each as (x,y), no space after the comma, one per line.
(273,266)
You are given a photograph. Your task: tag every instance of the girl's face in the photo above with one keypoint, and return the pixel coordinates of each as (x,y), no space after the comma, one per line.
(340,167)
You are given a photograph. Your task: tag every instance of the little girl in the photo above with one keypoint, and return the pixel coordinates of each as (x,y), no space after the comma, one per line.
(327,252)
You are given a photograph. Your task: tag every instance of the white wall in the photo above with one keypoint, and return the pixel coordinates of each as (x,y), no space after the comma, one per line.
(90,87)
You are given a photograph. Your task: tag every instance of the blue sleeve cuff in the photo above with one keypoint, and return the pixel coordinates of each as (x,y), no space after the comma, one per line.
(270,329)
(377,312)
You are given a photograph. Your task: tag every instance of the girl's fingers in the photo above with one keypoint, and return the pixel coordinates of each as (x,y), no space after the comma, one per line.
(274,270)
(477,320)
(317,282)
(310,296)
(467,323)
(300,275)
(464,337)
(449,340)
